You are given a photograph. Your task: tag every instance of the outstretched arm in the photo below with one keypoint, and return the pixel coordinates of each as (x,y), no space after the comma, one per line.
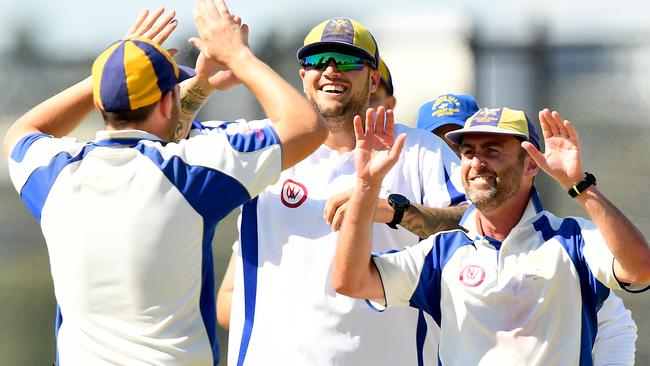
(225,40)
(62,113)
(562,161)
(421,220)
(353,272)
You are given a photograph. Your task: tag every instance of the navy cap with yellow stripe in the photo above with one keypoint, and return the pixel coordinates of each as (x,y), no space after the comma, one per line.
(500,121)
(341,35)
(134,73)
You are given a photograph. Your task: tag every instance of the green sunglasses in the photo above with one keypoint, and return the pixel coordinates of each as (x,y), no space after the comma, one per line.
(343,62)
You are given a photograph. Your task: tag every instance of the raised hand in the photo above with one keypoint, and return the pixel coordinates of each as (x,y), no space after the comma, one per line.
(218,76)
(154,26)
(222,35)
(561,159)
(377,149)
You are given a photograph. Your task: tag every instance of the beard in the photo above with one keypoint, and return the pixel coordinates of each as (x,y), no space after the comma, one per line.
(339,117)
(506,185)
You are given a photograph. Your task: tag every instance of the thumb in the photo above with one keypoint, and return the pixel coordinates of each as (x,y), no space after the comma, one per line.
(397,147)
(535,154)
(196,42)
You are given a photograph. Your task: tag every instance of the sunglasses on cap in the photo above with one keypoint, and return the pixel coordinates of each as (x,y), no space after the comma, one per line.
(343,62)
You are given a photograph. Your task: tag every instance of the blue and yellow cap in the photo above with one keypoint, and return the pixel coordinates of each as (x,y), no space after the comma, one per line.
(134,73)
(502,121)
(385,76)
(446,109)
(342,35)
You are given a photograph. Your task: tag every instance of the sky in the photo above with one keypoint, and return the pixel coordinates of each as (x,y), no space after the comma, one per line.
(69,26)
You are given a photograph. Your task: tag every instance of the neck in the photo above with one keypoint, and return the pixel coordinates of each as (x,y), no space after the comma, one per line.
(340,135)
(498,223)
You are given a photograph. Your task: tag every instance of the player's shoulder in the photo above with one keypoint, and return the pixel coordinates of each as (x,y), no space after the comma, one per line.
(227,126)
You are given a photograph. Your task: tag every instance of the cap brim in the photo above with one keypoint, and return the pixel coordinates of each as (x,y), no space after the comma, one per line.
(432,125)
(457,135)
(185,72)
(317,47)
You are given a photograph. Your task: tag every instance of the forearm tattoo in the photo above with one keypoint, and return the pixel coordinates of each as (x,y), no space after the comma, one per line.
(425,221)
(191,101)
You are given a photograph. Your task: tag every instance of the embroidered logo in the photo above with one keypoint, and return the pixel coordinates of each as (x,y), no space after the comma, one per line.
(472,275)
(293,193)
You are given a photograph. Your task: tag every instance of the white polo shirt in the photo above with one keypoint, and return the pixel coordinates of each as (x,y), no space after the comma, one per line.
(284,308)
(529,300)
(128,222)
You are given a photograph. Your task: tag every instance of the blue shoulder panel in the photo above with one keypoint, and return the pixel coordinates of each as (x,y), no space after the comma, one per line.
(593,292)
(254,139)
(39,184)
(428,291)
(19,151)
(212,193)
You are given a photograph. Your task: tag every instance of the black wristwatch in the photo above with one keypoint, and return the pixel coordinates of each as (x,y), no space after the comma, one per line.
(400,204)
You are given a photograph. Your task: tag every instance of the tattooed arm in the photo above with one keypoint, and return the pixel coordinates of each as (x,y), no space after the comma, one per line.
(421,220)
(425,221)
(210,76)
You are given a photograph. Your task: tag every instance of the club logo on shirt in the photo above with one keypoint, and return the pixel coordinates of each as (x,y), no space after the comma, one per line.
(293,193)
(255,131)
(472,275)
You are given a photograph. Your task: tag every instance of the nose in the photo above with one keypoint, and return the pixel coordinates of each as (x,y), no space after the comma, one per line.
(331,68)
(477,163)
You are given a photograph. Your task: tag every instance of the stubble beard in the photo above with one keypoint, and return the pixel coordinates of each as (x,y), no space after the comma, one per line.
(340,118)
(507,185)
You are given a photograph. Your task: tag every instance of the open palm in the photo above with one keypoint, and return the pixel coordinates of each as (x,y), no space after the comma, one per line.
(377,149)
(561,159)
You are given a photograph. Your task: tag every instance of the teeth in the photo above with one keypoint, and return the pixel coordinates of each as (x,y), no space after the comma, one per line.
(334,89)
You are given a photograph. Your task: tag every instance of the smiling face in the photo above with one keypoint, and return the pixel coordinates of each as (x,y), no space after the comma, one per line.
(339,95)
(494,168)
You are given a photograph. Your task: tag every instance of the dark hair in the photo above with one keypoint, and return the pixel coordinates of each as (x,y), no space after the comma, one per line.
(119,119)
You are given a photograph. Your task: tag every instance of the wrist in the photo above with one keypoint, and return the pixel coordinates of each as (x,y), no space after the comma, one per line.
(581,185)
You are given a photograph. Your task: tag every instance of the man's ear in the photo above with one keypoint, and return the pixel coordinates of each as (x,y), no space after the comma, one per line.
(374,80)
(166,104)
(531,168)
(390,102)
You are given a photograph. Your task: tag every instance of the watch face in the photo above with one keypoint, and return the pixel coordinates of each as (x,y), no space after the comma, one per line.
(398,201)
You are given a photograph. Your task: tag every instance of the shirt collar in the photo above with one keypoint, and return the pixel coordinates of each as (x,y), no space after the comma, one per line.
(534,207)
(123,137)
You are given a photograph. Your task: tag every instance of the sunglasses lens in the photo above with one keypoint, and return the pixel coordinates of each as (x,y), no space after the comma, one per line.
(343,62)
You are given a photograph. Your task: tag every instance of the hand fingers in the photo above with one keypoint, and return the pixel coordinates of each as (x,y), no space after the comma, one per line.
(543,122)
(138,22)
(358,129)
(333,203)
(161,36)
(572,132)
(197,14)
(380,118)
(151,19)
(338,217)
(209,10)
(161,24)
(245,31)
(222,8)
(390,122)
(196,42)
(172,51)
(370,121)
(397,148)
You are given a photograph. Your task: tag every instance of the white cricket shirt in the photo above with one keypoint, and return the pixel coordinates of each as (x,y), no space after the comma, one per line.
(128,222)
